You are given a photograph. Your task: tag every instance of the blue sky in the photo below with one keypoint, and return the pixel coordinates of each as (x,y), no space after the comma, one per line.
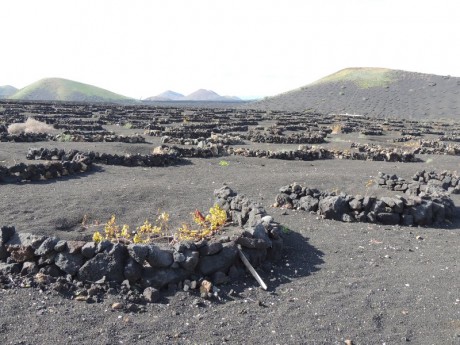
(141,48)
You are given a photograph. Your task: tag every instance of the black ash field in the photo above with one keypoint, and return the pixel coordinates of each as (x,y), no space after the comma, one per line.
(364,282)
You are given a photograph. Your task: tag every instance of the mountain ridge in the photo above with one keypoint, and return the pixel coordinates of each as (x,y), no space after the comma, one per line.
(7,90)
(198,95)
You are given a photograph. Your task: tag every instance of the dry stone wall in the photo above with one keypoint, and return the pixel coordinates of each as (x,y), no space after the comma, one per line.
(423,183)
(403,210)
(148,266)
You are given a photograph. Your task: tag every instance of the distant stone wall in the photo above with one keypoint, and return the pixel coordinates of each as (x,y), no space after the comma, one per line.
(437,147)
(409,211)
(294,138)
(423,183)
(99,137)
(152,160)
(25,137)
(307,153)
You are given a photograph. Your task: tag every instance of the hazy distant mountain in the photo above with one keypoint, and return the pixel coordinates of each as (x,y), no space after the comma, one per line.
(57,89)
(7,90)
(203,95)
(199,95)
(167,96)
(374,92)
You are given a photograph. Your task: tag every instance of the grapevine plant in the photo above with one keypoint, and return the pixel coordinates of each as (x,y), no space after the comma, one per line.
(203,227)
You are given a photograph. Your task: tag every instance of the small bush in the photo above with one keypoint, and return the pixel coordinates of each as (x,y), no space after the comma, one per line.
(336,129)
(30,126)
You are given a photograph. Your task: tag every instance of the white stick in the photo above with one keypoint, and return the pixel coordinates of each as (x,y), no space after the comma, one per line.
(251,269)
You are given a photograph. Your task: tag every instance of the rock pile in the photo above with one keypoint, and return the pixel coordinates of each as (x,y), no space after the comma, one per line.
(409,211)
(148,267)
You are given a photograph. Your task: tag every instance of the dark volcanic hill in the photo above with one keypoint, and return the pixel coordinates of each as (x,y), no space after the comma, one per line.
(57,89)
(7,90)
(374,92)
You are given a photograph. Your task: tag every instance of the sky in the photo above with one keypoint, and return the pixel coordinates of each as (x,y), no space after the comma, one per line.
(244,48)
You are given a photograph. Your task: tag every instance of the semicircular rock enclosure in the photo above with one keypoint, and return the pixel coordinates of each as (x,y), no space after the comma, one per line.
(100,266)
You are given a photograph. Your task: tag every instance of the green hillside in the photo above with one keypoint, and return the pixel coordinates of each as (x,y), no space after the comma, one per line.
(363,77)
(57,89)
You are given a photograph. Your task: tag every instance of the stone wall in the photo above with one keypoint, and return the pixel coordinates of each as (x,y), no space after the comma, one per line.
(409,211)
(437,148)
(25,137)
(308,153)
(149,265)
(35,172)
(293,138)
(152,160)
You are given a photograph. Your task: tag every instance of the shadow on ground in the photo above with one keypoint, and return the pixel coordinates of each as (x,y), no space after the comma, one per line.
(299,259)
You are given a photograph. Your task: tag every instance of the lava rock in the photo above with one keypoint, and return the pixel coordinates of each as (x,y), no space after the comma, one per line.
(333,207)
(19,253)
(219,262)
(224,193)
(3,252)
(309,203)
(159,257)
(74,247)
(160,277)
(109,265)
(388,218)
(29,268)
(259,232)
(210,248)
(88,250)
(423,213)
(60,246)
(138,252)
(69,263)
(47,246)
(26,240)
(191,260)
(12,268)
(133,270)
